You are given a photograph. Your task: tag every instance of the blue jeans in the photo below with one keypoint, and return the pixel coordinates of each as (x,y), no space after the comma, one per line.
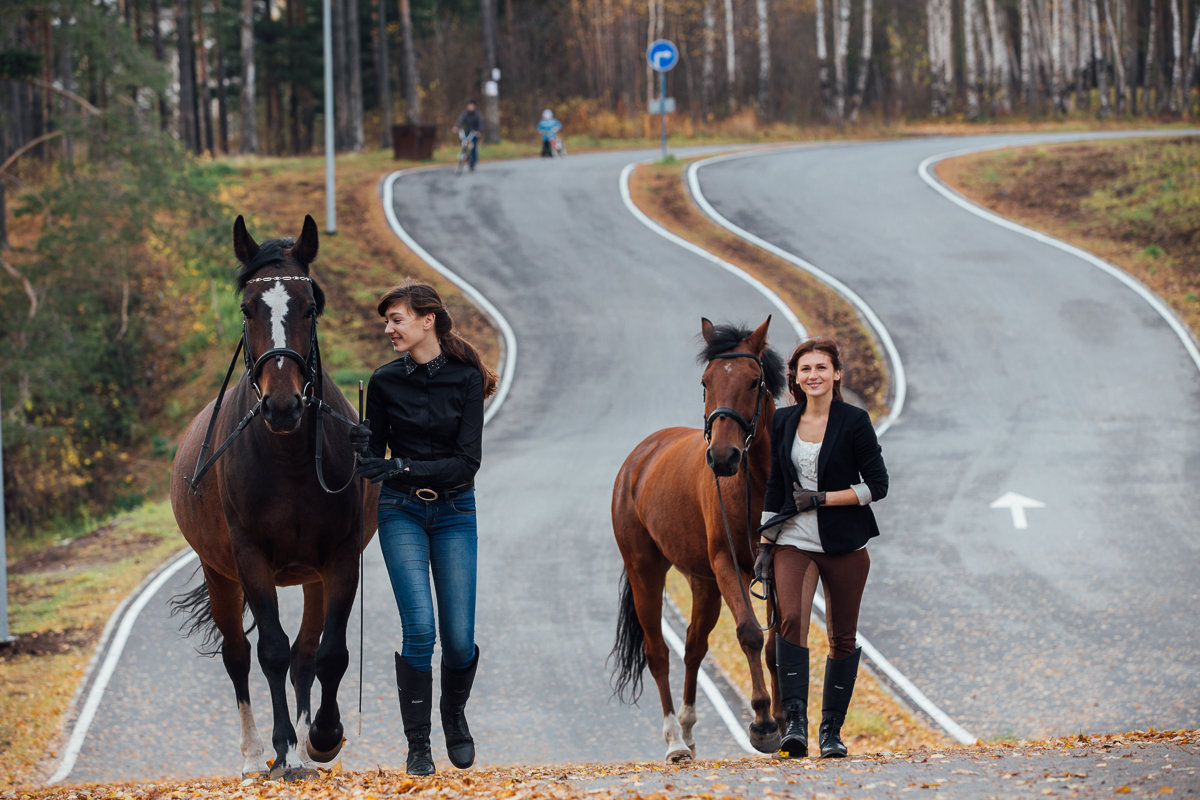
(441,537)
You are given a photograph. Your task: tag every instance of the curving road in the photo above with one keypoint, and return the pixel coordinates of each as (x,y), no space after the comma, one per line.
(1028,372)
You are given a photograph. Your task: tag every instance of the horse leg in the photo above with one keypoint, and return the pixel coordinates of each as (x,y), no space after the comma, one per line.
(258,583)
(706,609)
(764,731)
(225,602)
(303,656)
(326,735)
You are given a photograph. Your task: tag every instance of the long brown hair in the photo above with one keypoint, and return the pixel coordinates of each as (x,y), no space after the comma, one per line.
(816,345)
(423,299)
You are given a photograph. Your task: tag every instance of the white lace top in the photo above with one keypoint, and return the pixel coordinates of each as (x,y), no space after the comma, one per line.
(801,530)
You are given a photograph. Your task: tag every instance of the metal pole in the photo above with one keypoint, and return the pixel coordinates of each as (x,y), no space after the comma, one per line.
(662,109)
(4,637)
(330,145)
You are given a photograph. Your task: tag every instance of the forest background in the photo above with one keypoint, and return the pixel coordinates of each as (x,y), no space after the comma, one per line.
(117,117)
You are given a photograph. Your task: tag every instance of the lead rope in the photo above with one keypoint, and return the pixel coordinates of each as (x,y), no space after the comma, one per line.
(362,581)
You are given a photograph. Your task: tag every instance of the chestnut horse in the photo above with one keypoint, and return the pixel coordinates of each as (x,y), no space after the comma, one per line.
(678,501)
(253,500)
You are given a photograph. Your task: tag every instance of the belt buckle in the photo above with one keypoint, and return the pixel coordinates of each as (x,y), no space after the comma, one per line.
(428,495)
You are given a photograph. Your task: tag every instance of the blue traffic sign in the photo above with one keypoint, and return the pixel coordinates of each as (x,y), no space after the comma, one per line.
(662,54)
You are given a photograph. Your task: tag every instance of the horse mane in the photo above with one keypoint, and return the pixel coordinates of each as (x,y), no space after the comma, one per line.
(726,337)
(275,251)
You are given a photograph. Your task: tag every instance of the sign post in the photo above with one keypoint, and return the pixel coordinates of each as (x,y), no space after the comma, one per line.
(662,55)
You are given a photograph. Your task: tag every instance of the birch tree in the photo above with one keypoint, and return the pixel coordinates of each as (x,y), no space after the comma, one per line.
(823,77)
(864,60)
(1093,14)
(841,39)
(971,65)
(1175,97)
(708,65)
(1150,73)
(941,73)
(764,58)
(1000,74)
(1193,57)
(247,105)
(491,102)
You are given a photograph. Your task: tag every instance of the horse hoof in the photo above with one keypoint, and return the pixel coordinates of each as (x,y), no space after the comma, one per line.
(765,739)
(253,776)
(324,756)
(286,773)
(680,756)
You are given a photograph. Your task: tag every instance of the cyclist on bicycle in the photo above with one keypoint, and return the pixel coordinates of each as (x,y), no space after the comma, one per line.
(549,127)
(470,122)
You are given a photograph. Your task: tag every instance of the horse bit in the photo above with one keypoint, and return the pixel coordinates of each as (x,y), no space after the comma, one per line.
(750,428)
(312,393)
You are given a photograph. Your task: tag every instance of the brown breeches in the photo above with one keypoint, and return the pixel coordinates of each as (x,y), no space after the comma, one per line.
(843,579)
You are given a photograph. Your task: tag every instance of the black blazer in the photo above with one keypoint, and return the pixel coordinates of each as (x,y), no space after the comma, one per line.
(850,454)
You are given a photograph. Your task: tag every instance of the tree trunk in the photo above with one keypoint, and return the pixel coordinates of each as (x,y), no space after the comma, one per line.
(1150,73)
(412,98)
(971,65)
(823,76)
(204,91)
(864,59)
(764,59)
(1000,77)
(708,65)
(1057,104)
(248,103)
(491,100)
(164,113)
(188,132)
(941,71)
(841,38)
(1193,64)
(730,57)
(1101,62)
(354,122)
(383,75)
(1175,98)
(1027,79)
(222,104)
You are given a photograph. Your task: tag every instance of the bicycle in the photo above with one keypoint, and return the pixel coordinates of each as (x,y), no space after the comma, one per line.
(557,147)
(466,143)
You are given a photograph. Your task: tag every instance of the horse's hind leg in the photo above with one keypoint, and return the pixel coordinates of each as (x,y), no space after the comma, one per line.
(706,609)
(225,600)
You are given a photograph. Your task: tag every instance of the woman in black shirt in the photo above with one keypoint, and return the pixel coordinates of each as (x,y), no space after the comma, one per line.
(426,407)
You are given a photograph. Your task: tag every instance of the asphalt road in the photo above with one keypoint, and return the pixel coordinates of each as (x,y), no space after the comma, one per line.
(1029,371)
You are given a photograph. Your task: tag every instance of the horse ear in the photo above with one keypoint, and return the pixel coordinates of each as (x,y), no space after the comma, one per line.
(305,250)
(244,246)
(758,339)
(706,329)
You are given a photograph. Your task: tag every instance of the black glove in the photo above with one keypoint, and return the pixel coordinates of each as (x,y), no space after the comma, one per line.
(807,500)
(360,436)
(381,469)
(764,569)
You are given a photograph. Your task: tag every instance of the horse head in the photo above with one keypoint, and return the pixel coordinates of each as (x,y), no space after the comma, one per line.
(741,375)
(280,306)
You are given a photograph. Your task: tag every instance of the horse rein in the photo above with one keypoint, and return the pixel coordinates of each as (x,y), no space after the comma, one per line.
(312,393)
(750,428)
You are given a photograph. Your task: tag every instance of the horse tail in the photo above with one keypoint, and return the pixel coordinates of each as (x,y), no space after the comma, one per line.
(196,606)
(629,651)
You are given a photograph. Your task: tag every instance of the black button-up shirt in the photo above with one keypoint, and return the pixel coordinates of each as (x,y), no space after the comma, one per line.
(431,414)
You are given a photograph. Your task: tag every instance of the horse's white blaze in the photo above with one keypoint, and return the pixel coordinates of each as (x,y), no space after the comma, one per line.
(687,721)
(673,734)
(276,299)
(252,747)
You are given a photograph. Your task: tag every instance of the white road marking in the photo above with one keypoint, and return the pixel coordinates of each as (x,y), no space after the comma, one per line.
(1017,503)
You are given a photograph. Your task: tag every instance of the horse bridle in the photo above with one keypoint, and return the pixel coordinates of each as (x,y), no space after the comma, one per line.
(750,428)
(313,395)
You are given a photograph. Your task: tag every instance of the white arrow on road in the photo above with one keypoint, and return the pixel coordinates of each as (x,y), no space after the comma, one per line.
(1017,503)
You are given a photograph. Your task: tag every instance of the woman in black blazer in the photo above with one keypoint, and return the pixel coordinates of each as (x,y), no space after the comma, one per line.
(826,468)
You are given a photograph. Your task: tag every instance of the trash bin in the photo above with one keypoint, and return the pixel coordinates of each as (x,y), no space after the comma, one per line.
(414,142)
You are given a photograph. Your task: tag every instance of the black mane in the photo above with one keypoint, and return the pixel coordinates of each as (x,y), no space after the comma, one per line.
(271,252)
(724,338)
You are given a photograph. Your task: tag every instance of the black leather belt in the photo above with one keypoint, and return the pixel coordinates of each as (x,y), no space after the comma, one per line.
(429,494)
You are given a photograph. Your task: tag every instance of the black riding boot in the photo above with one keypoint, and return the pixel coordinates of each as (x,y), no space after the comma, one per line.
(791,665)
(416,697)
(456,689)
(840,675)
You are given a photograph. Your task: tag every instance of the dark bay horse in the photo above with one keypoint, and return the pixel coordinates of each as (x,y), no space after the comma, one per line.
(262,515)
(666,511)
